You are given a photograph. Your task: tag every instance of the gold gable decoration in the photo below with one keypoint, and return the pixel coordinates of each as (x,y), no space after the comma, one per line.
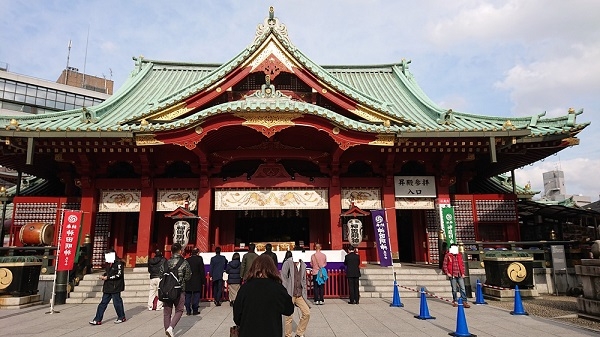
(148,139)
(170,113)
(384,140)
(268,120)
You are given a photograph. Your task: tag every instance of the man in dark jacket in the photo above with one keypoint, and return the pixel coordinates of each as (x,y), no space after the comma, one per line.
(217,267)
(184,273)
(114,284)
(154,265)
(247,260)
(193,287)
(352,263)
(269,252)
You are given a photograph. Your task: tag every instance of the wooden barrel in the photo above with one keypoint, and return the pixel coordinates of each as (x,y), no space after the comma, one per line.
(37,234)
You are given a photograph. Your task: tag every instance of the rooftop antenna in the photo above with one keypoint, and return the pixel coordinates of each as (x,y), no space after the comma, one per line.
(85,57)
(68,55)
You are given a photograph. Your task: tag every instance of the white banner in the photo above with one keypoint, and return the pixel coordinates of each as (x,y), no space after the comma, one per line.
(243,199)
(414,203)
(169,200)
(120,201)
(363,198)
(414,186)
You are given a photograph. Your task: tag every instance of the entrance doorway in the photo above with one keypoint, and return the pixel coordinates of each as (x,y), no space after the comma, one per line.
(404,220)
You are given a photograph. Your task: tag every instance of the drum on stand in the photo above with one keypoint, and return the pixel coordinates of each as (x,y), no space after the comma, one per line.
(37,234)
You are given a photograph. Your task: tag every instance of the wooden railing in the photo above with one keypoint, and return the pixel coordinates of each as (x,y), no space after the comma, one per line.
(335,287)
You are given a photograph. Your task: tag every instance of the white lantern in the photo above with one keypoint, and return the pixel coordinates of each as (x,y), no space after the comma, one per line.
(355,231)
(181,233)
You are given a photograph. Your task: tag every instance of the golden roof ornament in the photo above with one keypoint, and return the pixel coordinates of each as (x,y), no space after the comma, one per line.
(571,110)
(507,124)
(144,122)
(13,122)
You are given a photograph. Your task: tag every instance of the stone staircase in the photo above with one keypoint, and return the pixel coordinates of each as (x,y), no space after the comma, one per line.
(375,282)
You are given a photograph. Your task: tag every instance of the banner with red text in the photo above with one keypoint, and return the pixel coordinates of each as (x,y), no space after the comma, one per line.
(68,243)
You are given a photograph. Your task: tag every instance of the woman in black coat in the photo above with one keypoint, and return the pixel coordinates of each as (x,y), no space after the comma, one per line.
(233,279)
(262,301)
(193,287)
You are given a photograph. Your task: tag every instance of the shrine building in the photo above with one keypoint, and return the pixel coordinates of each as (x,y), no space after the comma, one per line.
(272,147)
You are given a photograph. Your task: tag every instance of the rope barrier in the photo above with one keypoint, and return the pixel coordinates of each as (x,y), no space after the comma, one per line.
(427,293)
(494,287)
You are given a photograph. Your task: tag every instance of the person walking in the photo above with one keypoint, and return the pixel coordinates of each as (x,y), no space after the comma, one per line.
(154,265)
(234,279)
(454,268)
(352,263)
(217,267)
(293,275)
(261,301)
(193,287)
(269,252)
(317,261)
(114,284)
(247,260)
(184,273)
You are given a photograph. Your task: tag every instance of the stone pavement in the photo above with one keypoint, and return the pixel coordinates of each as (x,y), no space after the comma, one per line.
(372,317)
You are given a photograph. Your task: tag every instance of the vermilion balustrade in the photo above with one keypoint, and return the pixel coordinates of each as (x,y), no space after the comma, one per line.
(335,287)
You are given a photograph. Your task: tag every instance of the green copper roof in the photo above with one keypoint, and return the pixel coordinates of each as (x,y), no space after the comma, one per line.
(391,90)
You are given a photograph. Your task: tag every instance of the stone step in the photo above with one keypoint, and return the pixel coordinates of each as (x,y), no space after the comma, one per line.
(375,282)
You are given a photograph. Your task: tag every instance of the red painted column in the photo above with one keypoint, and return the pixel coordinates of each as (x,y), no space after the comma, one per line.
(335,210)
(204,209)
(147,207)
(389,204)
(89,206)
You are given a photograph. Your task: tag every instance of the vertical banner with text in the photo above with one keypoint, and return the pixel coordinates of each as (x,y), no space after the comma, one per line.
(382,240)
(449,225)
(68,243)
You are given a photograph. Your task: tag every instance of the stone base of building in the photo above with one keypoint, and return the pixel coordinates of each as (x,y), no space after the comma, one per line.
(508,294)
(12,302)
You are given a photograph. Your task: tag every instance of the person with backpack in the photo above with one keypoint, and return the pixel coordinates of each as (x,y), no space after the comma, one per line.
(114,284)
(217,267)
(175,272)
(154,270)
(193,287)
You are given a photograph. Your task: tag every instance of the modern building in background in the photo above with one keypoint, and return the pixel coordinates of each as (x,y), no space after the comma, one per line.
(25,95)
(555,190)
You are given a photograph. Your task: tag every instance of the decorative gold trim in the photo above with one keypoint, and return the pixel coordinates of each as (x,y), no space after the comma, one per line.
(571,141)
(142,140)
(366,115)
(198,130)
(384,140)
(268,120)
(336,130)
(171,112)
(141,260)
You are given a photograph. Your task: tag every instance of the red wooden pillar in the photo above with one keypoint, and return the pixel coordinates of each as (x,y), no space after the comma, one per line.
(147,207)
(89,206)
(389,203)
(335,210)
(204,210)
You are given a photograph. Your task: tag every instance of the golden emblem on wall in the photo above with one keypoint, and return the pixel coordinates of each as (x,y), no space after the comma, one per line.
(6,278)
(516,272)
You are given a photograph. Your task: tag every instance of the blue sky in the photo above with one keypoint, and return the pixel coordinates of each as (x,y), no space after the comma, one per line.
(499,58)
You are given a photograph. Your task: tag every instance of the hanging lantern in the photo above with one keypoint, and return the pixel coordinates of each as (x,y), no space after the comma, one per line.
(181,233)
(355,231)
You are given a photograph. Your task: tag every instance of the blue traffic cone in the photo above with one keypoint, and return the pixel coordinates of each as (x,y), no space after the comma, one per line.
(479,294)
(396,299)
(461,322)
(519,310)
(424,311)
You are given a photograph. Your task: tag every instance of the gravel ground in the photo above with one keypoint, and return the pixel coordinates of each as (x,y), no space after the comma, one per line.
(559,308)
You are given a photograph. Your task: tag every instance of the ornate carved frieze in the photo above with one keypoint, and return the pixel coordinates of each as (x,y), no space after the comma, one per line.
(363,198)
(120,201)
(384,140)
(143,140)
(268,119)
(255,199)
(169,200)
